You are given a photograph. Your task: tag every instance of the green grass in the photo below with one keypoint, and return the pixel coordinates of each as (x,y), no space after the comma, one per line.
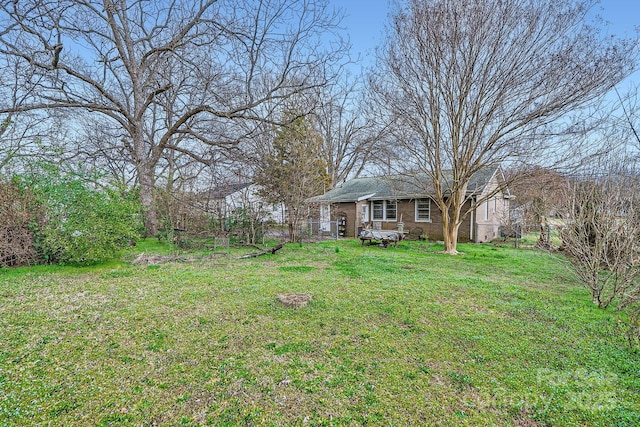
(396,336)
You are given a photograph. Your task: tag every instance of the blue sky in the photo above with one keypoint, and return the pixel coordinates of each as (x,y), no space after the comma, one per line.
(365,19)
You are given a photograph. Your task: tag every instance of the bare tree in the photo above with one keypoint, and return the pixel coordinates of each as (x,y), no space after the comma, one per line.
(349,131)
(602,239)
(99,148)
(540,195)
(630,126)
(165,75)
(602,234)
(540,192)
(25,135)
(473,83)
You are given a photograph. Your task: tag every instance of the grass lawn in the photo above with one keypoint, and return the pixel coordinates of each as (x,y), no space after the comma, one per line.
(398,336)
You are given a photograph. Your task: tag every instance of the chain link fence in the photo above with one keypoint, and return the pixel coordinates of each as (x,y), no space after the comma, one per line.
(309,232)
(547,235)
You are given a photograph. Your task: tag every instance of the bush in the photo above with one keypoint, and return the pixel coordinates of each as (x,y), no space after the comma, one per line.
(83,224)
(601,236)
(17,214)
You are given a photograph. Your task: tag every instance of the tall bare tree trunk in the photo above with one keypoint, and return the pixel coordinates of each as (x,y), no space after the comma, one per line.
(451,238)
(145,175)
(450,226)
(452,215)
(292,232)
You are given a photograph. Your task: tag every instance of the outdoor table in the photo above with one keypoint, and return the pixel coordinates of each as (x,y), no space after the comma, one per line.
(384,237)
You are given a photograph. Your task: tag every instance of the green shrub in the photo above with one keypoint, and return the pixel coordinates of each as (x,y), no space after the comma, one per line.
(83,224)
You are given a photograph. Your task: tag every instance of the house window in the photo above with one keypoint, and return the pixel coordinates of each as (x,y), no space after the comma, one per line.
(378,209)
(423,210)
(392,209)
(486,210)
(384,210)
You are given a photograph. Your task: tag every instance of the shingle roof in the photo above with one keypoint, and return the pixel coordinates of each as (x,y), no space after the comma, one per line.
(395,187)
(224,190)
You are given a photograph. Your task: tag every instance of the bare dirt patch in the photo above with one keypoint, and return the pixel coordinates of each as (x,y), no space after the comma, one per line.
(295,301)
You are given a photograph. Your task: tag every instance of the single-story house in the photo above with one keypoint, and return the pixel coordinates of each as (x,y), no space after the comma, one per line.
(227,199)
(383,202)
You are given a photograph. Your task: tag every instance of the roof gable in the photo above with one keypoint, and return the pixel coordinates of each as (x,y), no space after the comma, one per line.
(222,191)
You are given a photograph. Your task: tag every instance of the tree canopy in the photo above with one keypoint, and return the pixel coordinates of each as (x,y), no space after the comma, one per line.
(293,169)
(471,83)
(167,75)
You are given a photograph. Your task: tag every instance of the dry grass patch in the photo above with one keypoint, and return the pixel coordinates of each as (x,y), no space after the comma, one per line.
(146,259)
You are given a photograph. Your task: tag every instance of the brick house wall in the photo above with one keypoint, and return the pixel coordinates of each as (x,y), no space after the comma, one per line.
(392,199)
(406,208)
